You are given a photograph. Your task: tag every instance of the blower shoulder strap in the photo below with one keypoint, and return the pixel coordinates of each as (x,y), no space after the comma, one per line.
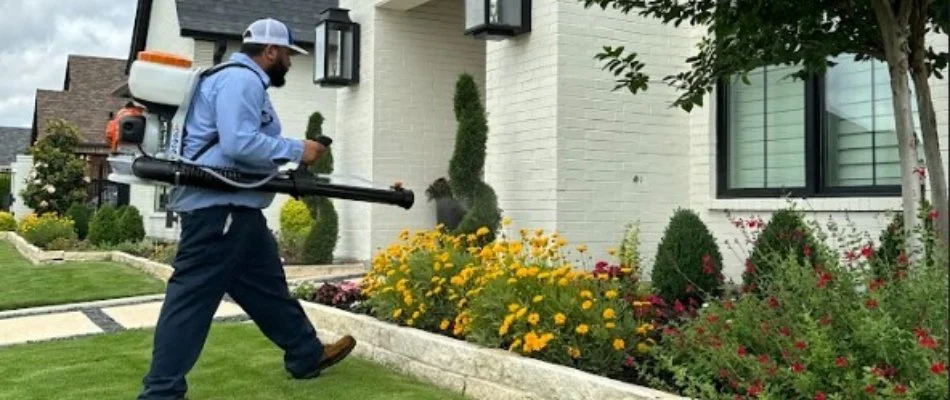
(211,71)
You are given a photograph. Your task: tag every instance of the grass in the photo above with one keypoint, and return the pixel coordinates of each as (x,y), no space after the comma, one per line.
(25,285)
(237,362)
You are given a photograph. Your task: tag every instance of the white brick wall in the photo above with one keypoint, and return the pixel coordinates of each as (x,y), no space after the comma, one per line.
(620,156)
(398,123)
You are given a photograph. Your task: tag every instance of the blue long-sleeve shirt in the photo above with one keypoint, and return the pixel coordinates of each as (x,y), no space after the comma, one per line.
(234,105)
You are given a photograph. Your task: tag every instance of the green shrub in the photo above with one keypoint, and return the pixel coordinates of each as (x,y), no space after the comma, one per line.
(79,213)
(294,219)
(103,229)
(6,185)
(688,266)
(321,237)
(891,256)
(130,225)
(48,227)
(7,222)
(468,160)
(785,234)
(833,332)
(58,177)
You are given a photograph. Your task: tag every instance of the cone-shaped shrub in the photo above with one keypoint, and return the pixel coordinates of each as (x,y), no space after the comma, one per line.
(688,262)
(79,213)
(103,226)
(322,237)
(785,235)
(468,161)
(130,225)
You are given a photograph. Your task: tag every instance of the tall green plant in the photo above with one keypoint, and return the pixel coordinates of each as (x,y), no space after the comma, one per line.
(79,213)
(322,238)
(786,235)
(688,265)
(104,226)
(467,164)
(58,177)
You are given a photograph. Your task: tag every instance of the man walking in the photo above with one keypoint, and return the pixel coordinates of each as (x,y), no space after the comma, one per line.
(226,246)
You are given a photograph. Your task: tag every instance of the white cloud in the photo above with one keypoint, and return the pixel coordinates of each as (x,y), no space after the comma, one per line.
(38,36)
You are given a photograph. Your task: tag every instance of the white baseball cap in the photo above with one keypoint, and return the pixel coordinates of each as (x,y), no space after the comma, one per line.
(271,31)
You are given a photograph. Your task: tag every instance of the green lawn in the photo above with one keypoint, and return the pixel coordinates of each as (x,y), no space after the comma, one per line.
(238,362)
(24,285)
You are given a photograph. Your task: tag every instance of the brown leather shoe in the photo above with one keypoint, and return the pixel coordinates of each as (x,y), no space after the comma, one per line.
(336,352)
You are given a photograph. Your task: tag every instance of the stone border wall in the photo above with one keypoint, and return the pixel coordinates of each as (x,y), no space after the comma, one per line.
(475,371)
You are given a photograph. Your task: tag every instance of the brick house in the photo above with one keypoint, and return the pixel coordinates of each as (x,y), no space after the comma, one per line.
(87,102)
(552,114)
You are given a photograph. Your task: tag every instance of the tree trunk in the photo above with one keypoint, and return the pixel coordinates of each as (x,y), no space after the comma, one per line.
(895,35)
(928,124)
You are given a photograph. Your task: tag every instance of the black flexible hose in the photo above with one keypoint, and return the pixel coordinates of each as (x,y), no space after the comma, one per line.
(297,185)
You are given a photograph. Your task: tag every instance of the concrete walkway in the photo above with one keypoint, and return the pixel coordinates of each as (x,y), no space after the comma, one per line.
(83,319)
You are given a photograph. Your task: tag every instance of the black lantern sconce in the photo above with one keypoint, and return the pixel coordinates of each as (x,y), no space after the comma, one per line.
(337,49)
(497,19)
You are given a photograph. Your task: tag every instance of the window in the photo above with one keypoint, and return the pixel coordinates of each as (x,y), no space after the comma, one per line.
(831,135)
(161,198)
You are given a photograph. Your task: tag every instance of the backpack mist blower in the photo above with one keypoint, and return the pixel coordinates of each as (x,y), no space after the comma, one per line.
(147,136)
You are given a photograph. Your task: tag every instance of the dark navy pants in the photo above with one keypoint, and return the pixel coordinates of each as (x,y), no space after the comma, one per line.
(225,250)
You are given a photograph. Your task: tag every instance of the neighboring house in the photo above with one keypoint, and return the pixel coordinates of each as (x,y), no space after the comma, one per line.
(208,32)
(86,101)
(13,141)
(565,152)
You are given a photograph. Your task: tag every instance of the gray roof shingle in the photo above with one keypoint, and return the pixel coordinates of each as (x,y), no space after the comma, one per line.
(13,141)
(230,17)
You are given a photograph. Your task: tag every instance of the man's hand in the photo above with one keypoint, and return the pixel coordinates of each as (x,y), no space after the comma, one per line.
(312,151)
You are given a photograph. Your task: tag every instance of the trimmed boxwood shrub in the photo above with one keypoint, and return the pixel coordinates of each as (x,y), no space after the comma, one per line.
(688,265)
(468,160)
(79,213)
(7,222)
(321,238)
(786,235)
(103,228)
(130,225)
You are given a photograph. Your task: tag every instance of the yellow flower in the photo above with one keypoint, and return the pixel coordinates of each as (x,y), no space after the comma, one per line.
(415,315)
(534,318)
(512,280)
(644,329)
(538,298)
(587,304)
(506,221)
(611,294)
(574,352)
(408,299)
(482,231)
(586,294)
(619,344)
(515,248)
(560,319)
(515,344)
(410,322)
(513,307)
(643,348)
(563,282)
(612,251)
(609,313)
(397,313)
(521,312)
(610,325)
(444,325)
(582,248)
(582,329)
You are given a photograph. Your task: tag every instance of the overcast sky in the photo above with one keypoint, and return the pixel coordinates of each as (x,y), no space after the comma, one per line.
(37,36)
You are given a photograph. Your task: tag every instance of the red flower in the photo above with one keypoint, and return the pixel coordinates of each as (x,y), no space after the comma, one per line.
(851,255)
(628,362)
(900,389)
(821,396)
(867,252)
(797,367)
(927,342)
(921,172)
(763,358)
(728,305)
(764,327)
(938,368)
(824,279)
(679,307)
(668,331)
(749,267)
(755,389)
(773,302)
(876,284)
(902,258)
(800,345)
(825,319)
(807,251)
(741,351)
(870,303)
(841,362)
(934,214)
(785,331)
(723,373)
(712,318)
(869,389)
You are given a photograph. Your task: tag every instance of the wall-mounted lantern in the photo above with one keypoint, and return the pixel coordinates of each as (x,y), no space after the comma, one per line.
(336,49)
(497,19)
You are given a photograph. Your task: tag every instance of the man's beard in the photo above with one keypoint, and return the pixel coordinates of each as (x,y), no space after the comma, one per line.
(277,74)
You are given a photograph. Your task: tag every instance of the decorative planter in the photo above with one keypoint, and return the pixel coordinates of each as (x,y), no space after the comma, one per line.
(477,372)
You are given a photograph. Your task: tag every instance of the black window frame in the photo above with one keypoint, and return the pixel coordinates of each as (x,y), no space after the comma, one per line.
(816,185)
